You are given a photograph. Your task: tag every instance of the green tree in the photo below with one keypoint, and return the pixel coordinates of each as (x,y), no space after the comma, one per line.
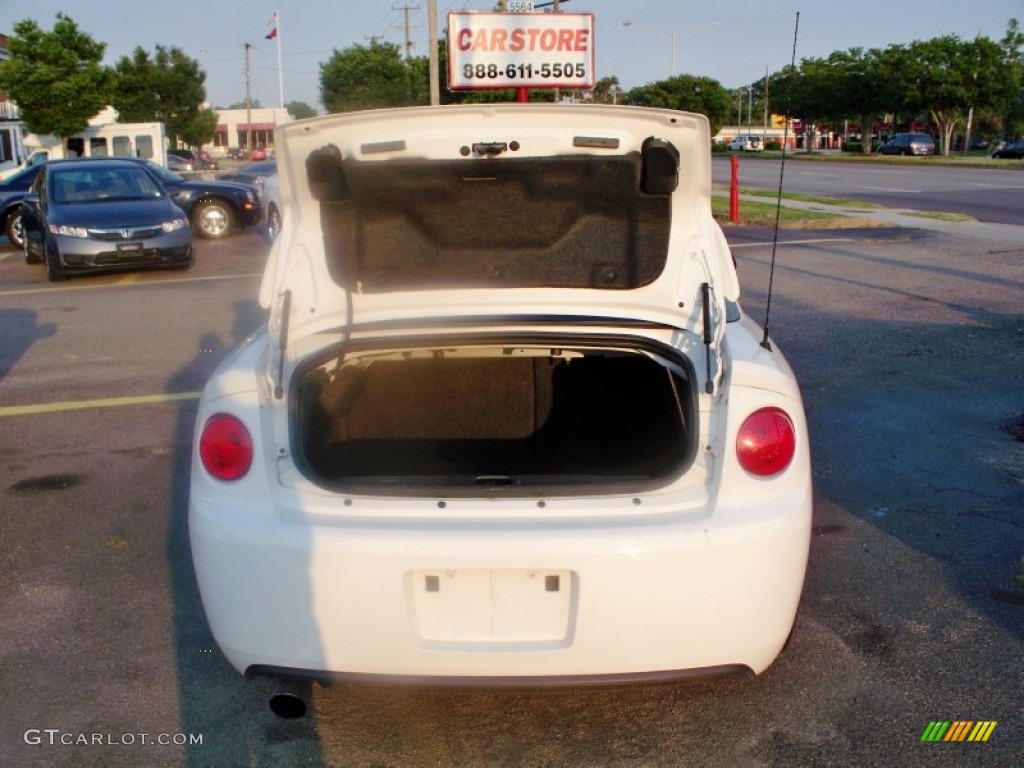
(1010,116)
(253,104)
(689,93)
(367,77)
(167,88)
(300,110)
(607,90)
(808,93)
(948,76)
(863,88)
(55,77)
(198,127)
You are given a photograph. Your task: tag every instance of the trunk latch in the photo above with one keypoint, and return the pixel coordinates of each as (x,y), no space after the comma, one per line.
(489,148)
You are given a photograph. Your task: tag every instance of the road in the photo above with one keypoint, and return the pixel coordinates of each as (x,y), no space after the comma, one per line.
(990,195)
(908,345)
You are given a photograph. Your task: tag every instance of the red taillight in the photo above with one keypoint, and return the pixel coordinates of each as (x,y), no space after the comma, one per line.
(766,442)
(225,447)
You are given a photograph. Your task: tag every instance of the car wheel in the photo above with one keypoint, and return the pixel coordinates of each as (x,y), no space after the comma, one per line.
(273,223)
(14,230)
(212,219)
(53,271)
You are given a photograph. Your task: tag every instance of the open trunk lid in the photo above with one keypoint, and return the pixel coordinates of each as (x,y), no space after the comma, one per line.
(495,210)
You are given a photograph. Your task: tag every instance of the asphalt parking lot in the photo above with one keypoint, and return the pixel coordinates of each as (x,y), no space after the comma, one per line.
(909,345)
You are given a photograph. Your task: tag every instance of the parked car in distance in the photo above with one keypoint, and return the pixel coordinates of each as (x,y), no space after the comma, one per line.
(253,174)
(1012,151)
(12,190)
(747,144)
(270,202)
(507,421)
(100,215)
(919,144)
(180,164)
(236,153)
(258,153)
(201,161)
(215,208)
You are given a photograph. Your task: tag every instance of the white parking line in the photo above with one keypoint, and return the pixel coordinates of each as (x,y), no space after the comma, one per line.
(895,189)
(993,185)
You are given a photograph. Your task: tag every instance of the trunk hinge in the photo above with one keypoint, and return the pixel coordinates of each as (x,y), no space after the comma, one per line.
(282,342)
(709,337)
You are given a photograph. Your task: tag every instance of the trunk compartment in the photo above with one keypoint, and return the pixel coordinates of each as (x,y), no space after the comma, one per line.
(474,420)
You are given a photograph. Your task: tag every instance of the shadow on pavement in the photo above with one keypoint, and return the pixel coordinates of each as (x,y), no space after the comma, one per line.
(230,712)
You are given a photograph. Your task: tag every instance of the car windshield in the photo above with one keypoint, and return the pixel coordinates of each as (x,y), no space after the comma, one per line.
(92,185)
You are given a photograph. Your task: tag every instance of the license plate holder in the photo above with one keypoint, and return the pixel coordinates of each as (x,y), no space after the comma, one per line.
(129,250)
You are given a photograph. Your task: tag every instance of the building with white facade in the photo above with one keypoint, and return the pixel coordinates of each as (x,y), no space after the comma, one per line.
(246,128)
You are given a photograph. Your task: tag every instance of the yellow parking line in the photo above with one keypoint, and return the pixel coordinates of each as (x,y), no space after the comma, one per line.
(107,402)
(85,286)
(131,277)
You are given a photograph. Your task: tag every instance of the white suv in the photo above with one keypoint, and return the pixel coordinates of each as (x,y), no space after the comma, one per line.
(747,144)
(507,422)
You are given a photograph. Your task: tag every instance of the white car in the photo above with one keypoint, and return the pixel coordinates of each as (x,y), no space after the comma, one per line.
(747,144)
(507,422)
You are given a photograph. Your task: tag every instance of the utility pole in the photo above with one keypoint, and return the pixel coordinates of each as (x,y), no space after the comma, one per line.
(405,10)
(434,62)
(558,91)
(750,106)
(248,98)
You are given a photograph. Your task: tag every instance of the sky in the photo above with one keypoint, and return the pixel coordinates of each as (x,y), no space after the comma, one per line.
(734,42)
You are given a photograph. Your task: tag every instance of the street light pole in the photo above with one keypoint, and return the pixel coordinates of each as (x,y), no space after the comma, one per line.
(672,36)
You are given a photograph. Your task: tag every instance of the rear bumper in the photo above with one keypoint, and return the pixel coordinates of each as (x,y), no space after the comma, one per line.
(523,682)
(664,599)
(249,217)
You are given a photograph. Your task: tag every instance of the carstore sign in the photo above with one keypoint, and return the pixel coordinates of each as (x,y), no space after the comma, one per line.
(520,50)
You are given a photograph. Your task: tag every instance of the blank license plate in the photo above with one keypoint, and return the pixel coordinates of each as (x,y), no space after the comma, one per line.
(493,606)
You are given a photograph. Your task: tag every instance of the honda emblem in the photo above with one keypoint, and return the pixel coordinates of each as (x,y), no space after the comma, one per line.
(127,233)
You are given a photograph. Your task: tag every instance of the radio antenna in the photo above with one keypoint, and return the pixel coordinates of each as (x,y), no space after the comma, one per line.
(778,199)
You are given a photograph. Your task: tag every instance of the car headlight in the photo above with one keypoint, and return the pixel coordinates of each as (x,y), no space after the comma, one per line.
(68,231)
(173,225)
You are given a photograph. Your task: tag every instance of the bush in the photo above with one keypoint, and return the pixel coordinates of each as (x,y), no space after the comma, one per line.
(719,146)
(773,146)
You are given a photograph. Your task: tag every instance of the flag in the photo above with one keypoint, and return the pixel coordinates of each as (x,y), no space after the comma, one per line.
(272,27)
